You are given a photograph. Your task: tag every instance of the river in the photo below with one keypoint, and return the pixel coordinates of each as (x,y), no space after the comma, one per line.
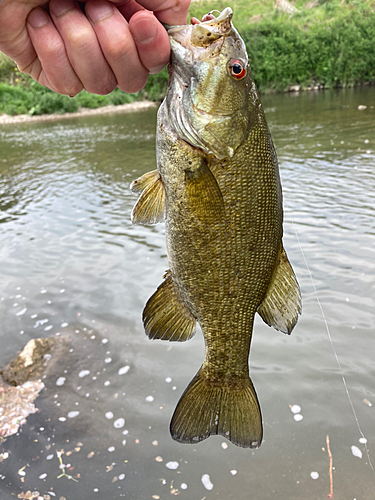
(73,266)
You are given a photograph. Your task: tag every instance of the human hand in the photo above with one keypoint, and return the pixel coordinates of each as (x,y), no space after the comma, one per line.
(112,43)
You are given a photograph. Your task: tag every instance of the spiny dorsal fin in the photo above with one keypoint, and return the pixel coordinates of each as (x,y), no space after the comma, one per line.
(203,193)
(150,207)
(166,316)
(282,304)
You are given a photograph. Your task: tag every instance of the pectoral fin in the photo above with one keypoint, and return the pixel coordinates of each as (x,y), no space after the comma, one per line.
(282,304)
(150,207)
(166,316)
(203,193)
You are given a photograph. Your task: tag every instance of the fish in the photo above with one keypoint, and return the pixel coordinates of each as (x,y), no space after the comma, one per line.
(217,188)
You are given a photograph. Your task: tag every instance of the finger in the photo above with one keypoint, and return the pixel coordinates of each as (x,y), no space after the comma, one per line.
(51,67)
(82,46)
(117,44)
(151,40)
(172,12)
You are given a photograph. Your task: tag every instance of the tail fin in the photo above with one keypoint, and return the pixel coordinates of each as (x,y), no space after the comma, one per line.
(230,409)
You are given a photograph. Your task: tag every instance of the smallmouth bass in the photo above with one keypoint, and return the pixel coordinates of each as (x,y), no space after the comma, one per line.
(217,188)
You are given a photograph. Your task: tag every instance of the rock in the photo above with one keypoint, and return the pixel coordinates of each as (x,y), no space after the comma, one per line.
(30,363)
(295,88)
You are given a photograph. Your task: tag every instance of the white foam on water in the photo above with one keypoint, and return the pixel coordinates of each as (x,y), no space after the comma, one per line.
(124,370)
(356,452)
(172,465)
(206,481)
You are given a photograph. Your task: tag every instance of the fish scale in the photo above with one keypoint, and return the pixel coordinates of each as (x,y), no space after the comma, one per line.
(218,190)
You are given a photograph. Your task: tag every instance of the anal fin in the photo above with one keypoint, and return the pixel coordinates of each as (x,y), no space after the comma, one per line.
(150,207)
(166,316)
(282,304)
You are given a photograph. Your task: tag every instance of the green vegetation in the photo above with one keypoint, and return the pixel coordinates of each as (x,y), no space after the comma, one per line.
(327,43)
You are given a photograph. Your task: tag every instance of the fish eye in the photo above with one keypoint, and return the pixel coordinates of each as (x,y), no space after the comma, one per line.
(237,69)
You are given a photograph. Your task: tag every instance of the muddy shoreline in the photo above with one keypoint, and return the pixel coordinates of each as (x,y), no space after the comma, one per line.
(122,108)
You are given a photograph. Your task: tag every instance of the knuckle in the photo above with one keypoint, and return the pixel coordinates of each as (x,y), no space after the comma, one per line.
(81,39)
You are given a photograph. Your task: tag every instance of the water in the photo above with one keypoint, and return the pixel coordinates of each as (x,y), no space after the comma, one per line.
(71,263)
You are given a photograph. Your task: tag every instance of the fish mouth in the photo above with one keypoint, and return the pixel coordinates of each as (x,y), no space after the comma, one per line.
(202,34)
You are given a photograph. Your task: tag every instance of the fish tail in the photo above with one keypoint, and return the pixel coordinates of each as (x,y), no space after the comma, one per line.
(225,407)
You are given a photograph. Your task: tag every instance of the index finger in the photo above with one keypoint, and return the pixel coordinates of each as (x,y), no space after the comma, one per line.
(172,12)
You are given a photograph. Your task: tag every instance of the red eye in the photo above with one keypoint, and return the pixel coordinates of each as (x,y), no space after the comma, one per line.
(237,69)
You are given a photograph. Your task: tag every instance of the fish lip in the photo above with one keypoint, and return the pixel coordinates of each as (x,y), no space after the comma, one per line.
(226,14)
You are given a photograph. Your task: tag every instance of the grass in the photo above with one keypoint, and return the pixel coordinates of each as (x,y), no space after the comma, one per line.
(329,44)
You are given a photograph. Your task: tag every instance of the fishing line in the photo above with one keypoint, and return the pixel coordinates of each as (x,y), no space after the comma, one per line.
(334,349)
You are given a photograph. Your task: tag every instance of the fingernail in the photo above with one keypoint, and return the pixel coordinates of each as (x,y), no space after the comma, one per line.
(37,18)
(59,8)
(144,30)
(156,69)
(100,12)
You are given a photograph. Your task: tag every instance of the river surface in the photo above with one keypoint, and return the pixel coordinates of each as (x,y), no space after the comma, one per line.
(73,266)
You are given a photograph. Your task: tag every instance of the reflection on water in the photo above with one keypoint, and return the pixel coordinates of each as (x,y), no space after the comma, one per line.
(72,264)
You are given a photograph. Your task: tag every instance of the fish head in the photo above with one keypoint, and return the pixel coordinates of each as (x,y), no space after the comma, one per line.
(211,92)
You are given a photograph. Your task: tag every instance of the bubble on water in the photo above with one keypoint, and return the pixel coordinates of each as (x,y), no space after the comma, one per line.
(172,465)
(73,414)
(104,341)
(295,409)
(111,449)
(109,415)
(174,388)
(40,322)
(314,475)
(124,370)
(48,328)
(96,490)
(150,399)
(233,472)
(298,417)
(83,373)
(33,316)
(21,312)
(121,477)
(43,476)
(43,290)
(363,440)
(60,381)
(62,419)
(49,457)
(107,360)
(183,486)
(224,446)
(63,325)
(107,383)
(356,452)
(119,423)
(62,290)
(206,481)
(168,380)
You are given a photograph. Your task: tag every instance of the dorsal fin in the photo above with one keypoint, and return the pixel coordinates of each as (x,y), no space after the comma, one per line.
(282,304)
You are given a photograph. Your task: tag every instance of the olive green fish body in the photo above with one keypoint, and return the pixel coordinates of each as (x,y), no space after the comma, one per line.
(218,189)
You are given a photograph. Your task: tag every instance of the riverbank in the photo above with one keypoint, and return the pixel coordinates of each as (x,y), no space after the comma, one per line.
(110,109)
(292,46)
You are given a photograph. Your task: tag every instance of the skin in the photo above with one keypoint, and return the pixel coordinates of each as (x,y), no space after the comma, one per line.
(117,43)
